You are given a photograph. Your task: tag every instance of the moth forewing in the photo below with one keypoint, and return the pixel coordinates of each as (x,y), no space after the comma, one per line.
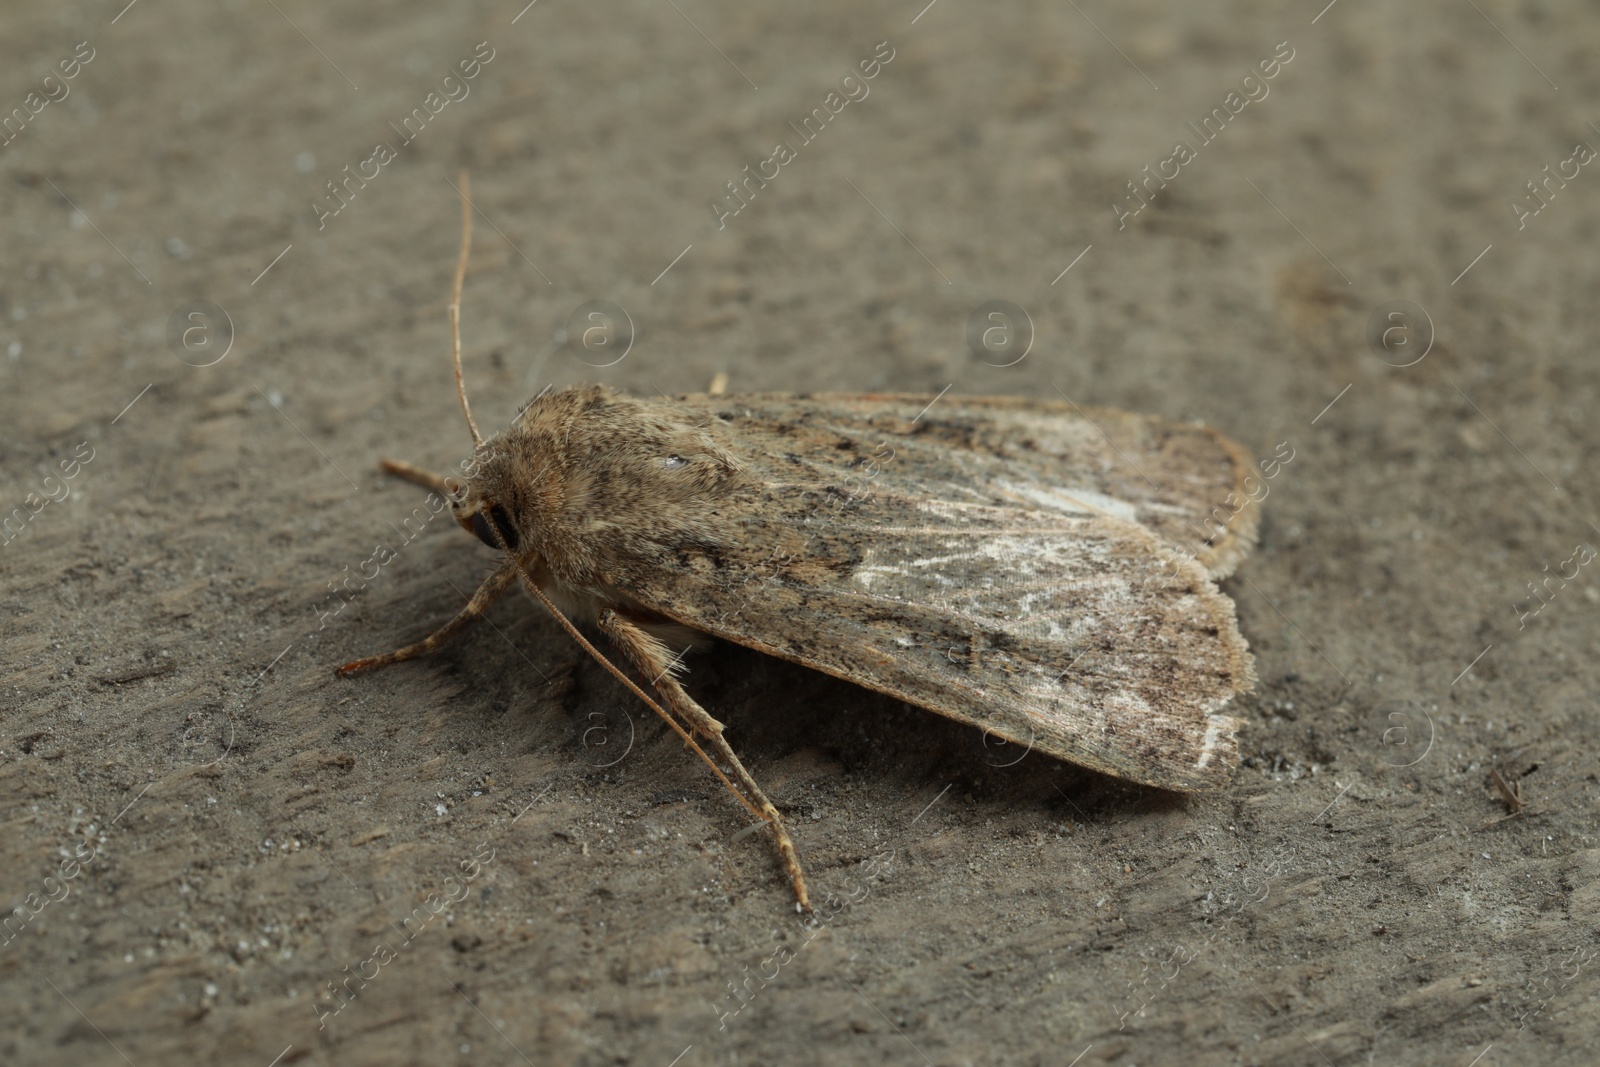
(954,582)
(1186,483)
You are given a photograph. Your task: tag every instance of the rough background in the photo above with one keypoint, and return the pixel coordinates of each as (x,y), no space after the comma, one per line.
(258,826)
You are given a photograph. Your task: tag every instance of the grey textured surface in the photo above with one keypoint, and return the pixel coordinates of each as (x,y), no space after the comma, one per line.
(258,826)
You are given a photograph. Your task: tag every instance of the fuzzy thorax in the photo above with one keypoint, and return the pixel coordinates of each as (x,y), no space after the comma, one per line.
(592,488)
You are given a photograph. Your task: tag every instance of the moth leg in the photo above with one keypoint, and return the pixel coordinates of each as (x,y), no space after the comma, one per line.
(417,476)
(652,658)
(490,591)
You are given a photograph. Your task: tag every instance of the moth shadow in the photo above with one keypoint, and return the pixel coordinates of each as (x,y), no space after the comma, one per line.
(798,730)
(774,710)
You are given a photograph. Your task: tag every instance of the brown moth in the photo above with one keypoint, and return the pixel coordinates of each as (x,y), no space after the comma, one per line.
(1043,572)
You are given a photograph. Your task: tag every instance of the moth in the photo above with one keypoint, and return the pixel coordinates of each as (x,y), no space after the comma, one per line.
(1040,571)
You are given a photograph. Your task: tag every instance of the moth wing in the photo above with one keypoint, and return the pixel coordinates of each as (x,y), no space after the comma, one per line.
(1054,625)
(1190,485)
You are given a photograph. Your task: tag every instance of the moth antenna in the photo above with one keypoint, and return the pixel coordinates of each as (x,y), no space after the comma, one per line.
(455,303)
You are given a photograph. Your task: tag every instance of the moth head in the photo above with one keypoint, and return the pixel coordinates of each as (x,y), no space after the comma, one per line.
(486,503)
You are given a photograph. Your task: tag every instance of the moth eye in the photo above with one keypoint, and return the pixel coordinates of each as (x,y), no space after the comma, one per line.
(480,527)
(502,523)
(673,463)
